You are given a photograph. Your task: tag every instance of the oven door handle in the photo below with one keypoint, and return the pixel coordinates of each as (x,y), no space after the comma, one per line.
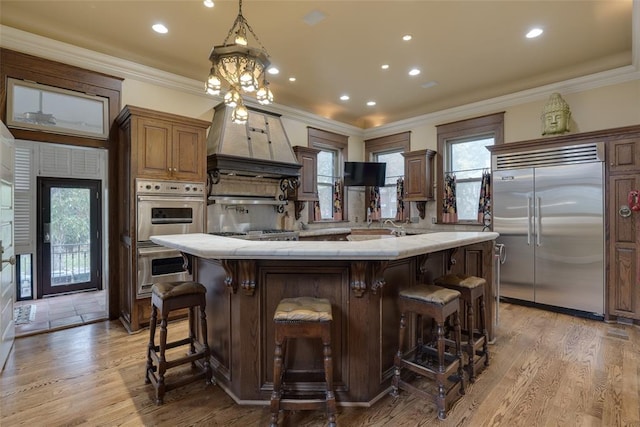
(185,199)
(157,251)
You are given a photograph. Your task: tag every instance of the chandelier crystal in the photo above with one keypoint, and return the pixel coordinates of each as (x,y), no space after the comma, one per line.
(240,68)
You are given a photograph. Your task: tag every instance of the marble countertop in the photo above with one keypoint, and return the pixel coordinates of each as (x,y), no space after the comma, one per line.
(218,247)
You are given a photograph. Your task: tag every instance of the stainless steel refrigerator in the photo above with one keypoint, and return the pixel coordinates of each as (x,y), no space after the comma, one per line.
(548,208)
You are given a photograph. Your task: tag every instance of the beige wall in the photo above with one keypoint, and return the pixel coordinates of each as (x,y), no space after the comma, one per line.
(606,107)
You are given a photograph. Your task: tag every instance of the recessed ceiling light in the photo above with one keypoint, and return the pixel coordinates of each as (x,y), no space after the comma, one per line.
(344,98)
(273,70)
(208,3)
(159,28)
(371,103)
(292,79)
(414,72)
(385,66)
(406,37)
(534,32)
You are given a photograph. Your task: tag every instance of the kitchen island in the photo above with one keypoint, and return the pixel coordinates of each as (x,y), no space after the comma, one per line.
(246,279)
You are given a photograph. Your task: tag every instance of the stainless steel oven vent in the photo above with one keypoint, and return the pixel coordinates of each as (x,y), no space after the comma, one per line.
(259,147)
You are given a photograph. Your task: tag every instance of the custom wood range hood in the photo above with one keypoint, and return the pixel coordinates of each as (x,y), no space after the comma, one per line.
(258,149)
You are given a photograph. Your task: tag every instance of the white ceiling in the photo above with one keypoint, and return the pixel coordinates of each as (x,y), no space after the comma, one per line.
(474,50)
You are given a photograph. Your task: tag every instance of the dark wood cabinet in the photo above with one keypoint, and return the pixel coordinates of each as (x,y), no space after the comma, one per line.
(307,188)
(169,147)
(623,161)
(418,178)
(151,145)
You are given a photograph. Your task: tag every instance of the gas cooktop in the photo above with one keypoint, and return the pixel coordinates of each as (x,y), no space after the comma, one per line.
(268,234)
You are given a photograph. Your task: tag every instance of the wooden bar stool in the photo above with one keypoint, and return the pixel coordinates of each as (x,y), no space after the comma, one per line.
(302,317)
(167,297)
(471,289)
(431,360)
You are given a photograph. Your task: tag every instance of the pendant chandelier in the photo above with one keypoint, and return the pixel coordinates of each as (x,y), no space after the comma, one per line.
(240,68)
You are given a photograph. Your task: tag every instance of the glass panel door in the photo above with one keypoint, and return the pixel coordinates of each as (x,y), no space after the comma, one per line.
(68,235)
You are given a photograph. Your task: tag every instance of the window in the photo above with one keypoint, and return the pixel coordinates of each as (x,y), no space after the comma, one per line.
(462,154)
(328,174)
(388,193)
(389,149)
(332,203)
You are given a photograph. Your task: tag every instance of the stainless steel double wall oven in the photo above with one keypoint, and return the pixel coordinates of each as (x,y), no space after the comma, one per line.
(165,207)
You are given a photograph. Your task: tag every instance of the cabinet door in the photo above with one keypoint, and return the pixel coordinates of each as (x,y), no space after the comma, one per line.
(154,149)
(624,242)
(624,154)
(189,157)
(418,184)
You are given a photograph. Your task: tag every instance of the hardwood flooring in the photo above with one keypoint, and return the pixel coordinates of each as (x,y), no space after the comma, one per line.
(547,369)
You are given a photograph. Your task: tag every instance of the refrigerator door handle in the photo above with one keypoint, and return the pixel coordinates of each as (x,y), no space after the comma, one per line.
(529,220)
(539,222)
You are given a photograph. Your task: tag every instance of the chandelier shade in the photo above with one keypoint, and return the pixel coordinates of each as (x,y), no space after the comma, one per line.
(240,69)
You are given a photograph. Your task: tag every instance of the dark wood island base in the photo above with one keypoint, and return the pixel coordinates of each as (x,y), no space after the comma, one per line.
(242,295)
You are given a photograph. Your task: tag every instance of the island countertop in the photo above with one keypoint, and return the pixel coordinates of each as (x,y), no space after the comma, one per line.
(218,247)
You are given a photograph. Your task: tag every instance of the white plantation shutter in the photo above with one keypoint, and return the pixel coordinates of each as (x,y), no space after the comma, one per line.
(55,161)
(24,182)
(85,164)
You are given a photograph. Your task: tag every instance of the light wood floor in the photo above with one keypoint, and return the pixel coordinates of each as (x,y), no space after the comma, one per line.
(547,369)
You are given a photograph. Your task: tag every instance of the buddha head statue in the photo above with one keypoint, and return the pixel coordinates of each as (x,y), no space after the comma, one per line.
(555,116)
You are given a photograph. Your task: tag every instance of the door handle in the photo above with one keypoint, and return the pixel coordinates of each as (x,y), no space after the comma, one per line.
(11,260)
(539,220)
(529,200)
(46,235)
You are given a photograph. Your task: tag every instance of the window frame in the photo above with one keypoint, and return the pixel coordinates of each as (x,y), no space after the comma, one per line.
(489,125)
(324,140)
(400,142)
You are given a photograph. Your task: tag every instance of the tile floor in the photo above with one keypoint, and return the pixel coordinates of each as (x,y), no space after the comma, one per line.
(64,311)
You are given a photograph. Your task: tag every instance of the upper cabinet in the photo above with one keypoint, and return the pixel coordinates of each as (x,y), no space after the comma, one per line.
(165,146)
(418,175)
(624,154)
(307,188)
(418,178)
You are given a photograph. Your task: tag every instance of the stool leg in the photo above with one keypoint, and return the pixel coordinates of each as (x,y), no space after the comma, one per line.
(328,375)
(442,395)
(152,346)
(192,333)
(485,345)
(205,345)
(471,366)
(277,379)
(457,330)
(397,360)
(419,338)
(162,362)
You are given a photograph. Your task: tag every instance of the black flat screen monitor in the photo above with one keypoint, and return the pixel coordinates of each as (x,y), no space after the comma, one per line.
(364,174)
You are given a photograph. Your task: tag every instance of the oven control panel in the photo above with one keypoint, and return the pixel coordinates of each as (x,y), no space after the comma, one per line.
(181,188)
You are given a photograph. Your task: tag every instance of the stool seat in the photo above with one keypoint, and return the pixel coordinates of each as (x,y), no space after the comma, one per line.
(431,294)
(301,317)
(166,290)
(432,360)
(165,297)
(460,280)
(471,290)
(303,309)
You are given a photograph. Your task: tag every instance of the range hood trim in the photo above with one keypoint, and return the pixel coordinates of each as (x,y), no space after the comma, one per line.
(246,166)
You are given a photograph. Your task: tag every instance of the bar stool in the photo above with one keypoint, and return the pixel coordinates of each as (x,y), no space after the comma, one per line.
(431,360)
(167,297)
(471,289)
(302,317)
